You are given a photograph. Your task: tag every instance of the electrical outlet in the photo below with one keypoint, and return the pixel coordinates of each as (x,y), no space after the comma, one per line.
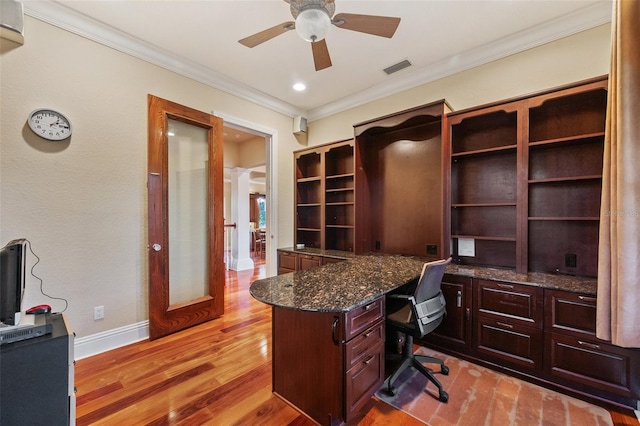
(432,249)
(98,313)
(377,245)
(570,260)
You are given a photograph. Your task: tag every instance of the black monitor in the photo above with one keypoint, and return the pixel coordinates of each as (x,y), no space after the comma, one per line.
(12,280)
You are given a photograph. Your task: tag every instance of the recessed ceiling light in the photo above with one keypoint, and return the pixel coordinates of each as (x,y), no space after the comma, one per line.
(299,87)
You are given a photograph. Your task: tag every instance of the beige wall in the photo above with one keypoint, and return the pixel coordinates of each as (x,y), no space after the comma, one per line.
(83,203)
(571,59)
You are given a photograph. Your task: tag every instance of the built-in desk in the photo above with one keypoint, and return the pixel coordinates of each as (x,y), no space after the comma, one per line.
(328,332)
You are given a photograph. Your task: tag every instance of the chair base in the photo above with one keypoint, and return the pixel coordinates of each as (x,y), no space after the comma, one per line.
(409,359)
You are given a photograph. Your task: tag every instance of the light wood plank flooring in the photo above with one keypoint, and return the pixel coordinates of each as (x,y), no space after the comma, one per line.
(218,373)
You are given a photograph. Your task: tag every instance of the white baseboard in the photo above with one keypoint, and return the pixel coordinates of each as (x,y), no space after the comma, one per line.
(110,339)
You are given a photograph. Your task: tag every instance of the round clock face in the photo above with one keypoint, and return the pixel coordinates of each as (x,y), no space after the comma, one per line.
(50,124)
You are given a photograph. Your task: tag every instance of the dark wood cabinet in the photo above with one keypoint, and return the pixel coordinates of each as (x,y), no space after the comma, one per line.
(287,262)
(577,359)
(455,331)
(290,260)
(307,261)
(333,362)
(508,323)
(526,177)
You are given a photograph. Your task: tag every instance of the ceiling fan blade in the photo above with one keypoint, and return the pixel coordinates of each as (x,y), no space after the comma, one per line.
(383,26)
(266,35)
(321,56)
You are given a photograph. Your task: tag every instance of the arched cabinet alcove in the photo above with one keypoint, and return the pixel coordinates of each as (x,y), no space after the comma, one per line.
(401,194)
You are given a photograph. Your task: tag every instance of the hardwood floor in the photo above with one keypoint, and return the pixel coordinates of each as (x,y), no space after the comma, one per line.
(217,373)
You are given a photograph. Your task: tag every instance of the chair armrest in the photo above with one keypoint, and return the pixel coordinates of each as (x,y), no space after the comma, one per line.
(400,296)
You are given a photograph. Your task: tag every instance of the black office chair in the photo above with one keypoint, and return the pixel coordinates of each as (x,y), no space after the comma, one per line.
(416,315)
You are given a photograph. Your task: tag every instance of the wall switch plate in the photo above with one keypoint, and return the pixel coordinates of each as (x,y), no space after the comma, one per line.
(466,247)
(98,312)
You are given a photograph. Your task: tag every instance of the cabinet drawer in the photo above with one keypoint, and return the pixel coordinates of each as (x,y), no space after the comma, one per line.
(570,313)
(594,364)
(520,303)
(363,379)
(359,319)
(359,346)
(505,341)
(306,261)
(287,262)
(328,260)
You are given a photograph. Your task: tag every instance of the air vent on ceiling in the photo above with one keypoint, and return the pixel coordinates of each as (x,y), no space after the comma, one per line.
(397,67)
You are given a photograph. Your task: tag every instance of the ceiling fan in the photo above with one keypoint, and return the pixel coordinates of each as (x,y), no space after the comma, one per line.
(313,18)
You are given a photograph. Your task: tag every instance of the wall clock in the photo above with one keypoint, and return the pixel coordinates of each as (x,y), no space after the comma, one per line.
(50,124)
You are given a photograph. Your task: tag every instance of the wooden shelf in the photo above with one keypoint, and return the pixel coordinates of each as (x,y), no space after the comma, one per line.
(484,205)
(485,238)
(566,179)
(341,226)
(572,218)
(309,205)
(568,139)
(309,179)
(485,151)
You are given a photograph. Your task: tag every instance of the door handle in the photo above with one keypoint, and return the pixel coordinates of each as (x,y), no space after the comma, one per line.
(459,299)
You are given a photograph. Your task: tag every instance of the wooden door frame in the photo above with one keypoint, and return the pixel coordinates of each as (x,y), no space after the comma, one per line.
(163,317)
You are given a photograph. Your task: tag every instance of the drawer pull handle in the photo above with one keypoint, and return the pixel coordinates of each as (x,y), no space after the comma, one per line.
(366,308)
(587,298)
(509,286)
(369,333)
(504,324)
(334,328)
(368,360)
(588,345)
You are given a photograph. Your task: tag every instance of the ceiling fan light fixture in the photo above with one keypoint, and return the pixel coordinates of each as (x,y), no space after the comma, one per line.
(313,24)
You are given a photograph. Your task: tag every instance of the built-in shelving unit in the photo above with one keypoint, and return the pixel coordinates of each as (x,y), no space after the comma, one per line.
(484,185)
(325,196)
(526,179)
(339,197)
(565,147)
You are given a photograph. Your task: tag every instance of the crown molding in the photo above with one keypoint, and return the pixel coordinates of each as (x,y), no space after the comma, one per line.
(67,19)
(564,26)
(62,17)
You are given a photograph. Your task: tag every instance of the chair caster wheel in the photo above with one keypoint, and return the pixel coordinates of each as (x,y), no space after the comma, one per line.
(391,391)
(445,370)
(444,397)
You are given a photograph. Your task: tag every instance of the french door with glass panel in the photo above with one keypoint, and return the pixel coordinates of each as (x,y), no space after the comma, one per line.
(186,225)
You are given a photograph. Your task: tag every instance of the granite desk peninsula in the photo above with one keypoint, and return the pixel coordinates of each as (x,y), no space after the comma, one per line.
(328,332)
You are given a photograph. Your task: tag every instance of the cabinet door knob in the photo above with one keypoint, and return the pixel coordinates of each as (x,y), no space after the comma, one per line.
(156,247)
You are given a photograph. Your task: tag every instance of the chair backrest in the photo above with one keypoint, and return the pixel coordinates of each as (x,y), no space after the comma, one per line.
(430,306)
(430,280)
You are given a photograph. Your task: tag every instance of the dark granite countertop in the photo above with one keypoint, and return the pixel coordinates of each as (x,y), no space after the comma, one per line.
(538,279)
(337,254)
(340,287)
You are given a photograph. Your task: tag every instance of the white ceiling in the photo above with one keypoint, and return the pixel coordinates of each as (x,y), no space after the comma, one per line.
(200,40)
